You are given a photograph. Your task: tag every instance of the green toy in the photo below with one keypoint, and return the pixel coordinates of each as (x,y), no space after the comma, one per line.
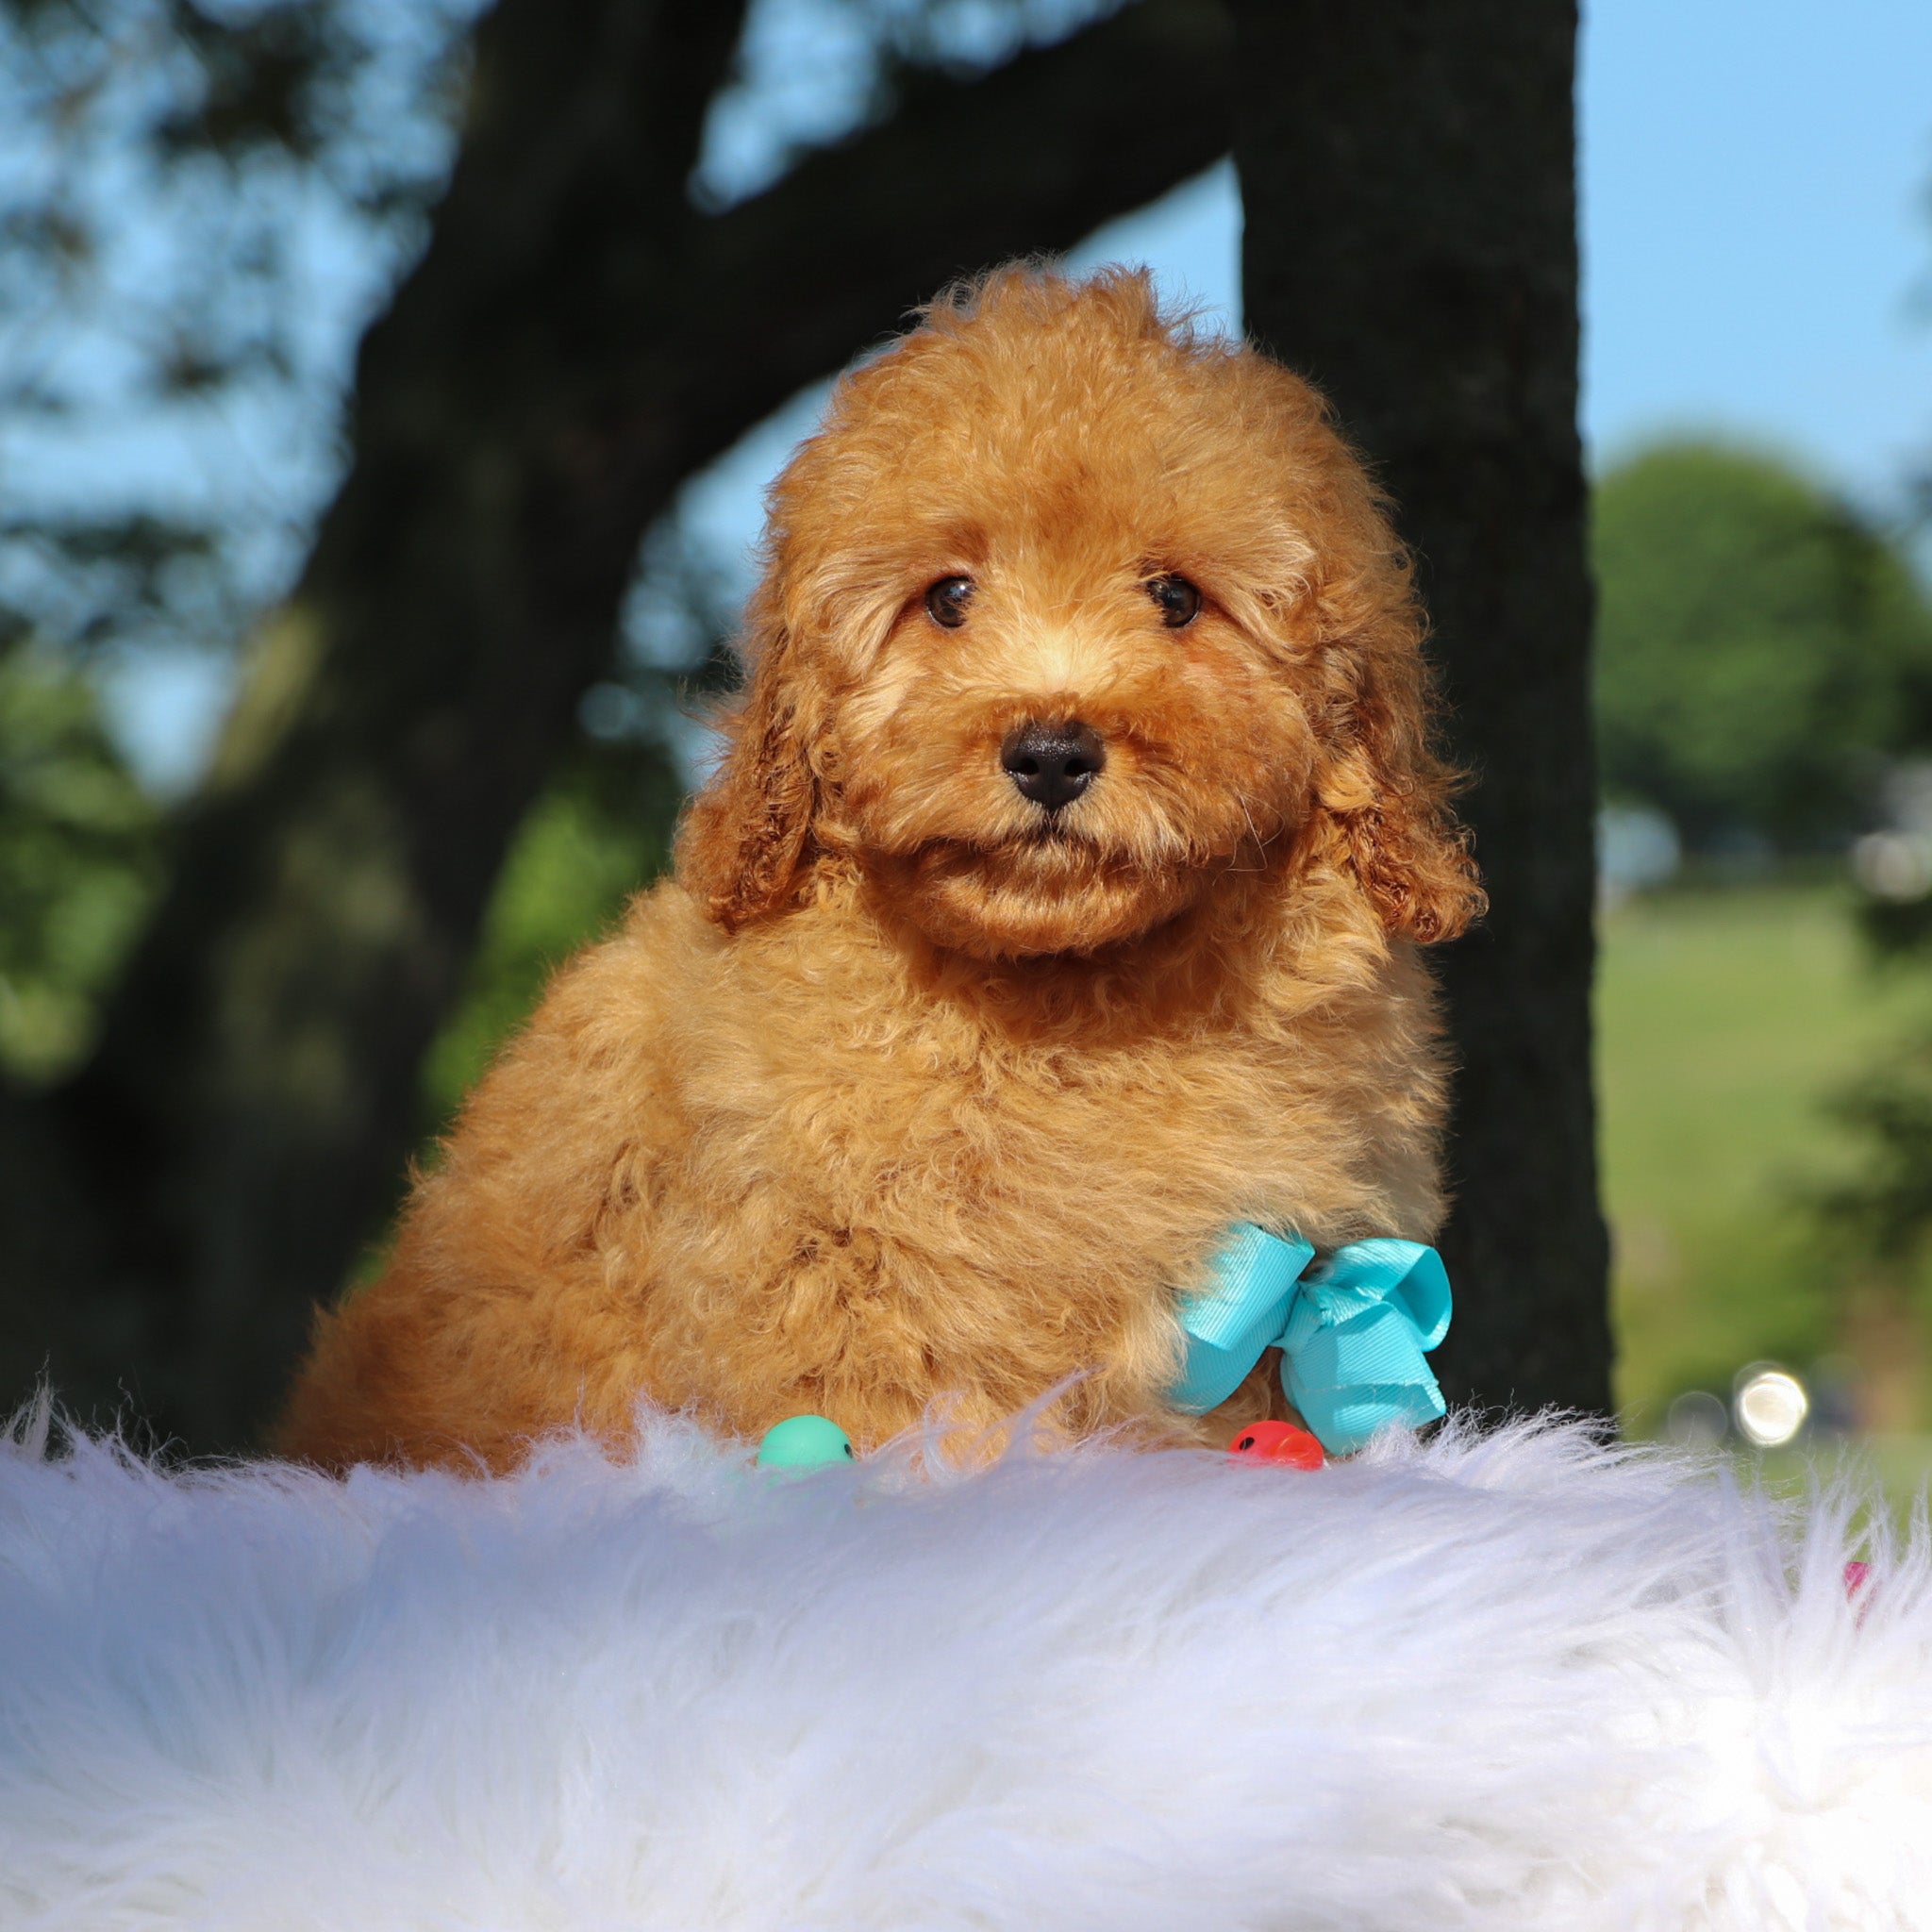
(803,1441)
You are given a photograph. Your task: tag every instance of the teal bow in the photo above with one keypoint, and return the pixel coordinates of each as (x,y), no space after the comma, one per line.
(1351,1330)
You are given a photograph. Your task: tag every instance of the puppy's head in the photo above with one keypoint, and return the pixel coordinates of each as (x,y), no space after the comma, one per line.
(1068,617)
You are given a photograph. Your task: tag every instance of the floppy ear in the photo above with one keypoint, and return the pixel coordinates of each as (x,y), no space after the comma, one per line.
(744,837)
(1381,786)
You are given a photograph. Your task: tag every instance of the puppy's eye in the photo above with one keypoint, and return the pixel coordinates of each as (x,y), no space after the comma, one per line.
(1178,601)
(946,602)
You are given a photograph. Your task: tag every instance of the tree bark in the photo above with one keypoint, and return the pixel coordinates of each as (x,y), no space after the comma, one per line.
(1409,182)
(575,341)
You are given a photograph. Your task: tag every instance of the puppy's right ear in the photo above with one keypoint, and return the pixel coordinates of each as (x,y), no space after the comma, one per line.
(746,835)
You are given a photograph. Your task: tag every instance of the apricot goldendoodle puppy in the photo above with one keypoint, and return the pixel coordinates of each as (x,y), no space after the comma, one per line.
(1055,906)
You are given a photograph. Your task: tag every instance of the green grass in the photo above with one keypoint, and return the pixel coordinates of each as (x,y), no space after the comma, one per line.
(1897,1467)
(1724,1018)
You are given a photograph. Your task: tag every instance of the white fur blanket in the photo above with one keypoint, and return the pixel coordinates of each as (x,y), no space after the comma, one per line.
(1500,1682)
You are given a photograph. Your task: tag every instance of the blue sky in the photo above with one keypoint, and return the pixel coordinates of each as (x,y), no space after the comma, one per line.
(1756,218)
(1757,223)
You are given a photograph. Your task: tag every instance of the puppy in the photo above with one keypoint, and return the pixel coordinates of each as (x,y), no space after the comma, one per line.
(1056,905)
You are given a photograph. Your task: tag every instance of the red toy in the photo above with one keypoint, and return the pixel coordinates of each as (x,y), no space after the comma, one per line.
(1280,1442)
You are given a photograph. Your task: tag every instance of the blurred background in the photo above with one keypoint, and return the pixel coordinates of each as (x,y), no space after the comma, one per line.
(205,204)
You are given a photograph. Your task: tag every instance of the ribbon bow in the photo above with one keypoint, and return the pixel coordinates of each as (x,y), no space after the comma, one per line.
(1352,1329)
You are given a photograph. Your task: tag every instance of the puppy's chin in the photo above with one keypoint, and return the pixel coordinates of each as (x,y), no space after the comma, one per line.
(1031,899)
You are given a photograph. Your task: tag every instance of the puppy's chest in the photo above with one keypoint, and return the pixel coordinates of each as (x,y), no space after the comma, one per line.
(1150,1144)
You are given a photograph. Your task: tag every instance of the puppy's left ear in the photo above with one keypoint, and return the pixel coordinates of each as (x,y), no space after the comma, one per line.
(747,836)
(1382,788)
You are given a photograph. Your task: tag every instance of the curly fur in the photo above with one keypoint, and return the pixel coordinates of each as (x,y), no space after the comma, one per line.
(901,1093)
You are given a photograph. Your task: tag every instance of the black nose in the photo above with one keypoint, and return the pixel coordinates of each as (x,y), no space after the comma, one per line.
(1052,764)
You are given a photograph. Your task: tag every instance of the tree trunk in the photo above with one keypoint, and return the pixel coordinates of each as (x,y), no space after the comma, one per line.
(1407,174)
(574,344)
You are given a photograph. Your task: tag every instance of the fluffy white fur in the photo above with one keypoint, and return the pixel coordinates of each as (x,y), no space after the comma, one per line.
(1500,1682)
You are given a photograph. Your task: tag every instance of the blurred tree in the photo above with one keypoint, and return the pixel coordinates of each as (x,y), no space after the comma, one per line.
(186,187)
(76,861)
(1411,244)
(583,331)
(1761,648)
(1877,1225)
(1878,1219)
(601,826)
(594,317)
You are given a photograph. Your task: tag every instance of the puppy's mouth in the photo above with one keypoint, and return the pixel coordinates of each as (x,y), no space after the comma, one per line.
(1050,833)
(1053,850)
(1046,889)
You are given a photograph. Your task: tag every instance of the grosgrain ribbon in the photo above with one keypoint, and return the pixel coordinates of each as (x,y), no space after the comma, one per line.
(1353,1330)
